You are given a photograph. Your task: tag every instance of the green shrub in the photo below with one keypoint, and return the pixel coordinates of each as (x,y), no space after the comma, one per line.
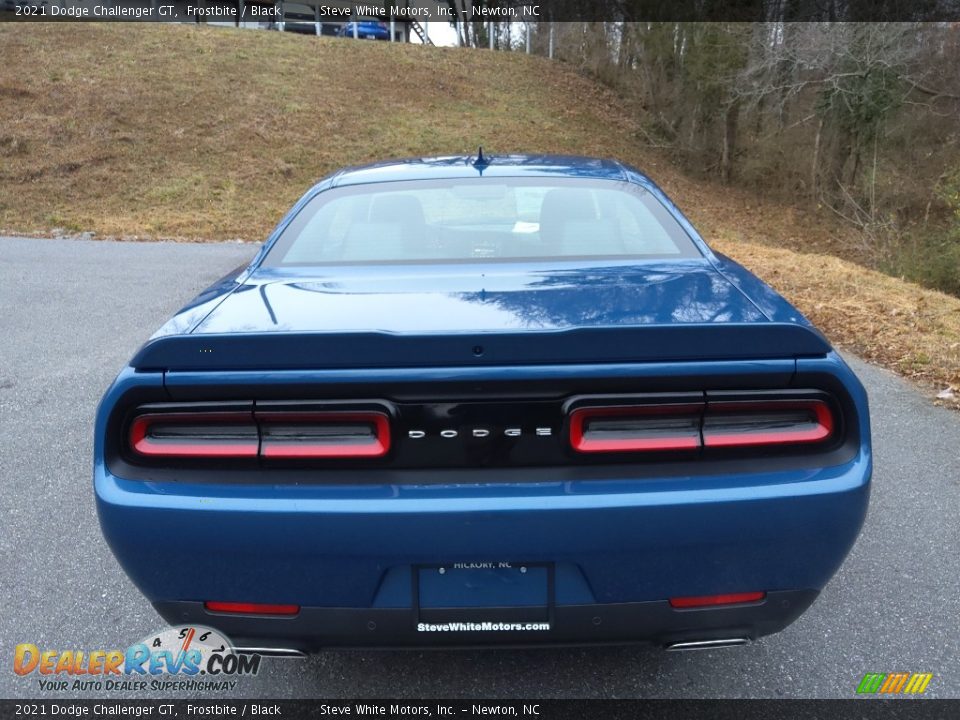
(928,257)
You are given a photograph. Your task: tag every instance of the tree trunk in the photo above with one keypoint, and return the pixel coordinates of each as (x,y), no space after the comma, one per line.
(841,155)
(729,140)
(694,122)
(814,163)
(462,23)
(855,163)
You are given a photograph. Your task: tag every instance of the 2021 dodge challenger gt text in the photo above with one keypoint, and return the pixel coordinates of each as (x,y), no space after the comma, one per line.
(484,400)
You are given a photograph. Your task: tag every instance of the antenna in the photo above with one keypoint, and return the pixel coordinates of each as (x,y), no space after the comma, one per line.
(481,160)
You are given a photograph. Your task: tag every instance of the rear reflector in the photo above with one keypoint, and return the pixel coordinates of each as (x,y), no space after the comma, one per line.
(192,435)
(241,608)
(689,426)
(635,428)
(324,435)
(714,600)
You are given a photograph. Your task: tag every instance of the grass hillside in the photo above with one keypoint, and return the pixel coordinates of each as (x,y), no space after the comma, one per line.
(209,133)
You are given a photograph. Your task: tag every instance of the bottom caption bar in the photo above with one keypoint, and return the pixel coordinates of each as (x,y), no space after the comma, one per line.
(540,709)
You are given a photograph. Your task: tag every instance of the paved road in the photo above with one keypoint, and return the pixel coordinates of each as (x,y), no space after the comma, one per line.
(74,311)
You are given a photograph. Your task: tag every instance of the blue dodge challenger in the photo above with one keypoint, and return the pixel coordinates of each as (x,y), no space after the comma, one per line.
(484,400)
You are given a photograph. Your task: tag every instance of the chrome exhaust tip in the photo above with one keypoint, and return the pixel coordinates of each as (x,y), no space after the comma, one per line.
(708,644)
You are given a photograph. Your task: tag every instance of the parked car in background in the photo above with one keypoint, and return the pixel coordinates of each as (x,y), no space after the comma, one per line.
(366,30)
(464,401)
(297,18)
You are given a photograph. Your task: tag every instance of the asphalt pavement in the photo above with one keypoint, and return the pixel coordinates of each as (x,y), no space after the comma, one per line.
(72,312)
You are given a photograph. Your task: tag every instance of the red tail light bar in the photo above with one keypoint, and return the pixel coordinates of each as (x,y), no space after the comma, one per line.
(245,608)
(337,430)
(273,435)
(690,426)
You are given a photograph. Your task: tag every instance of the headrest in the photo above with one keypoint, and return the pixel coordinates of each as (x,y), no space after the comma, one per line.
(561,206)
(397,208)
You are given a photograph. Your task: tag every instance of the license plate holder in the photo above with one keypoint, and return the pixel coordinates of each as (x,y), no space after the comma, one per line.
(481,592)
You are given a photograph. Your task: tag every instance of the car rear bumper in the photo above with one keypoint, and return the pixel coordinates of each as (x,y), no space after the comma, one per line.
(619,549)
(314,628)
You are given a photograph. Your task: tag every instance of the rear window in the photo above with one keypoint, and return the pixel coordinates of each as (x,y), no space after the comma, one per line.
(481,220)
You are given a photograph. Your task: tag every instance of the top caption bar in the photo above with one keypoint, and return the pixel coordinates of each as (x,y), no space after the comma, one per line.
(238,11)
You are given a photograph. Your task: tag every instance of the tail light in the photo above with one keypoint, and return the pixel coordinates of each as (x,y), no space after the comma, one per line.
(193,435)
(637,428)
(324,435)
(599,428)
(691,426)
(780,422)
(268,435)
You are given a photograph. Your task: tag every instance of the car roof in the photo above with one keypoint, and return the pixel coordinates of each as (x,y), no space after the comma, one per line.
(465,166)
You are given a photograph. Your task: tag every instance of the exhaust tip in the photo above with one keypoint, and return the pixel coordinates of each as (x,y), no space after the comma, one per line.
(708,644)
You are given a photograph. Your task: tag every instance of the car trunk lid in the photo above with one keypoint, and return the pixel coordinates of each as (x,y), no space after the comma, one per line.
(387,316)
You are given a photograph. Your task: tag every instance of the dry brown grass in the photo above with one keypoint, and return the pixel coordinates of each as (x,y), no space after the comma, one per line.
(207,133)
(902,326)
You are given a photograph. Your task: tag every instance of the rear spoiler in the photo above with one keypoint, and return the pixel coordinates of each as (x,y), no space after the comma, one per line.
(316,351)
